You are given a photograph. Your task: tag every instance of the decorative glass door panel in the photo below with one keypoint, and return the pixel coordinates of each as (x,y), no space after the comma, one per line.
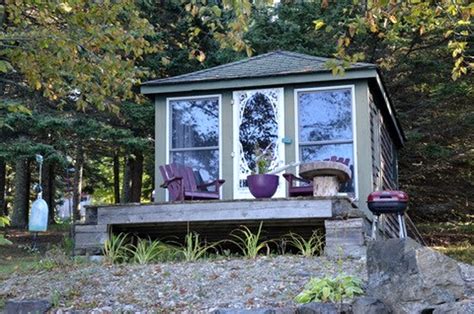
(259,123)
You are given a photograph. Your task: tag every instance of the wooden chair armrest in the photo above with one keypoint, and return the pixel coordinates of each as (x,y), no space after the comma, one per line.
(291,177)
(217,183)
(168,182)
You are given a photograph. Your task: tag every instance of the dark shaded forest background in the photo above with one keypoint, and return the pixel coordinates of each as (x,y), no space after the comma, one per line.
(109,153)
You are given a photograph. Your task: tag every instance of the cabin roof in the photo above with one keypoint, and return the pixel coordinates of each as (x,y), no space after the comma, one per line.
(276,63)
(275,68)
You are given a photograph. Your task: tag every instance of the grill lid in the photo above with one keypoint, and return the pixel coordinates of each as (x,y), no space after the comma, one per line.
(387,196)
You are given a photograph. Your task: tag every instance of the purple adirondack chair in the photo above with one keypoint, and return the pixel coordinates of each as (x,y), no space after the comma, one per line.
(181,184)
(301,187)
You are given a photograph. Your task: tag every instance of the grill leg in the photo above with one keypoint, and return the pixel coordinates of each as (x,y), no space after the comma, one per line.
(401,226)
(375,224)
(404,226)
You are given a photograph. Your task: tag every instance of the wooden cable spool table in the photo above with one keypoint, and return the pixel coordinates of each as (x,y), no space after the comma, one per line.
(327,176)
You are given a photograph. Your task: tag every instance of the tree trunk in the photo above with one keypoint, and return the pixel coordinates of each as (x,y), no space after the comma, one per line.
(22,194)
(126,188)
(48,189)
(137,178)
(116,179)
(3,179)
(77,185)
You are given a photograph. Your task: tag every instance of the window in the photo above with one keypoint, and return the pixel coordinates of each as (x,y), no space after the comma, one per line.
(325,126)
(194,134)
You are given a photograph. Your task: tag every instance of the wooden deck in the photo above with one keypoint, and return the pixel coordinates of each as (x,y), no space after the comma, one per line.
(212,219)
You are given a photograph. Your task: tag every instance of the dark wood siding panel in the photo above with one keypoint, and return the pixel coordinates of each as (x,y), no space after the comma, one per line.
(375,143)
(388,160)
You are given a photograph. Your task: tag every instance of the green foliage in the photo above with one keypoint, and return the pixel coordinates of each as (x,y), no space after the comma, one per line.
(330,289)
(434,150)
(4,221)
(312,246)
(193,248)
(116,248)
(147,251)
(249,243)
(89,51)
(263,159)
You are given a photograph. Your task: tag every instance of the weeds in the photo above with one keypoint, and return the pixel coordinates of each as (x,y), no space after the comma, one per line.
(312,246)
(249,243)
(116,248)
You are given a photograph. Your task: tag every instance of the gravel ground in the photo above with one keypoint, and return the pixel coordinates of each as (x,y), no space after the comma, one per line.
(178,287)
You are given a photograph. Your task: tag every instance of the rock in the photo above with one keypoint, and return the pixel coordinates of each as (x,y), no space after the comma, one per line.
(27,306)
(369,305)
(324,308)
(409,278)
(96,258)
(467,274)
(460,307)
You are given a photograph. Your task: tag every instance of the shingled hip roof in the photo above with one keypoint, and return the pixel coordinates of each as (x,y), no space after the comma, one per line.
(277,63)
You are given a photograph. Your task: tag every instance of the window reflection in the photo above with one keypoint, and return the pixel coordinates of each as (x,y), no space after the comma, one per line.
(325,115)
(195,135)
(325,127)
(195,123)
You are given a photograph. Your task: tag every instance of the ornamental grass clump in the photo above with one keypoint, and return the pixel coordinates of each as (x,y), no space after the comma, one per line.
(116,248)
(193,248)
(312,246)
(147,251)
(249,243)
(330,289)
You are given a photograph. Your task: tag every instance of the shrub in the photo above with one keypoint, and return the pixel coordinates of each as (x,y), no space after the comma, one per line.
(4,221)
(330,289)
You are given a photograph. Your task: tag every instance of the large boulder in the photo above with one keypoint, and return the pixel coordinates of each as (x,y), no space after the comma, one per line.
(409,278)
(368,305)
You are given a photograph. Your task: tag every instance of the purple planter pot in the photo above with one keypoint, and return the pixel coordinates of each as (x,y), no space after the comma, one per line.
(262,185)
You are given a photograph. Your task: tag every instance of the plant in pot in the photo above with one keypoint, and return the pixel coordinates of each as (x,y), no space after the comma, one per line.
(262,184)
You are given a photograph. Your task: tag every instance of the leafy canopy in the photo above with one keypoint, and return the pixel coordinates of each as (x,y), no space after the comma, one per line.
(80,51)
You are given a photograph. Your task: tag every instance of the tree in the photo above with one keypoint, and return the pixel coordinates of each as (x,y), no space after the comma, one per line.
(83,51)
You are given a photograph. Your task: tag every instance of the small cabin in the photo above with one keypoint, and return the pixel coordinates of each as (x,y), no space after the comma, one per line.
(291,103)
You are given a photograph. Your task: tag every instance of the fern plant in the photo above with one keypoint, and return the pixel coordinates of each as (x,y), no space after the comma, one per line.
(117,248)
(330,289)
(312,246)
(249,243)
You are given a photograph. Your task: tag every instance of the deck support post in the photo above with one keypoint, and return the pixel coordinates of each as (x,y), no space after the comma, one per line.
(345,238)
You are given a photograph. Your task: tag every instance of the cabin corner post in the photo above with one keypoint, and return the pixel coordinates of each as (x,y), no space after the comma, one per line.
(161,125)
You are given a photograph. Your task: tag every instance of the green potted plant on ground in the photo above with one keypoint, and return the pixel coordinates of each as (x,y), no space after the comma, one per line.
(262,184)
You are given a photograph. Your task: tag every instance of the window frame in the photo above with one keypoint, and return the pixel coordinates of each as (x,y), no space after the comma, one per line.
(170,150)
(299,145)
